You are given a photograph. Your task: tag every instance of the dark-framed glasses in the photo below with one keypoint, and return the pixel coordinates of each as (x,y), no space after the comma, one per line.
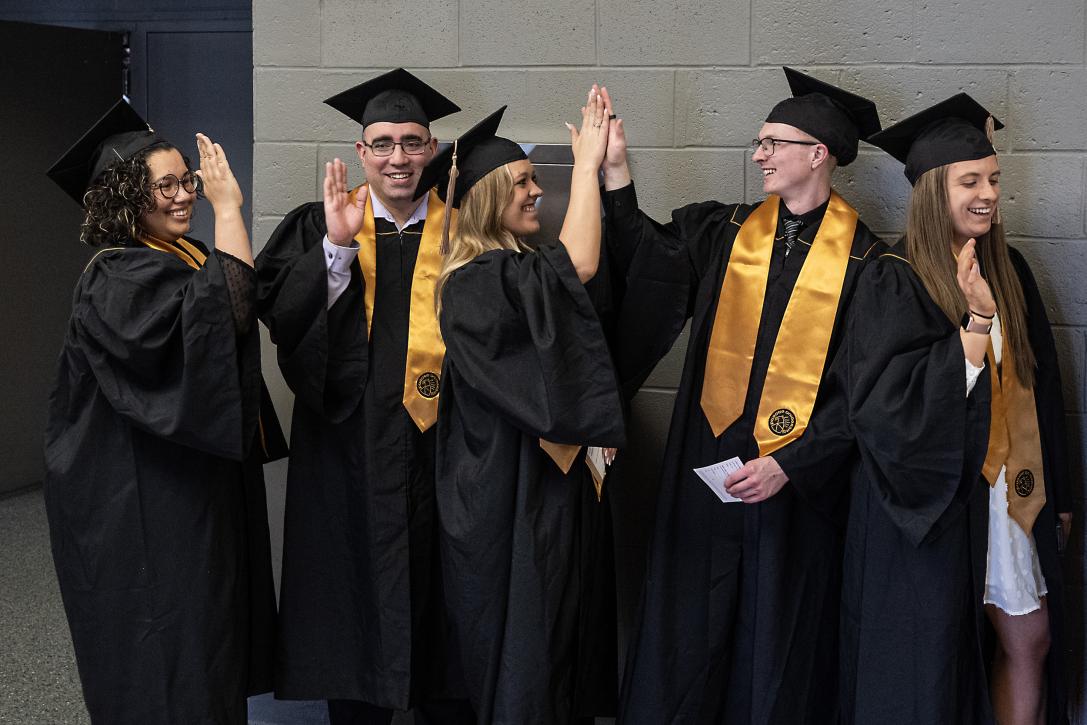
(412,145)
(169,184)
(769,143)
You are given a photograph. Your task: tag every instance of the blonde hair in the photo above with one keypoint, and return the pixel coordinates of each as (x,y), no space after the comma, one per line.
(929,234)
(479,226)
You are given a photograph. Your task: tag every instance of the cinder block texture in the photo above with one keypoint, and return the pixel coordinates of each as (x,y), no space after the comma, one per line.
(901,91)
(528,32)
(286,33)
(983,31)
(727,107)
(673,32)
(1042,195)
(1048,109)
(377,34)
(287,171)
(263,226)
(668,179)
(1060,268)
(643,99)
(849,31)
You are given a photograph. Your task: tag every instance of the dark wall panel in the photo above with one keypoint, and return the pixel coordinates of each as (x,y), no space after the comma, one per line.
(56,82)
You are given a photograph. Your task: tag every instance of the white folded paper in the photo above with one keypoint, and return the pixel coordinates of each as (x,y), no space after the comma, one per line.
(715,474)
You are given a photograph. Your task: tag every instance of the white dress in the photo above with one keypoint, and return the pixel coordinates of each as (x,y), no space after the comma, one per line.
(1013,575)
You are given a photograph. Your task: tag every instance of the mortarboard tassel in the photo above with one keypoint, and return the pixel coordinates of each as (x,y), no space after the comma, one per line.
(444,249)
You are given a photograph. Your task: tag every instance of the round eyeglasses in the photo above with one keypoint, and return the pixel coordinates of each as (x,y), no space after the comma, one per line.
(769,143)
(412,145)
(169,184)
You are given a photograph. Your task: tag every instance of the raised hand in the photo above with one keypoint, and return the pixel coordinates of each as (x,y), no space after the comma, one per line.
(616,155)
(342,217)
(591,142)
(979,297)
(616,169)
(222,190)
(218,182)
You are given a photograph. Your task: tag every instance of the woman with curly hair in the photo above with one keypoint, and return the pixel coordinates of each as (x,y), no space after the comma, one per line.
(527,381)
(155,439)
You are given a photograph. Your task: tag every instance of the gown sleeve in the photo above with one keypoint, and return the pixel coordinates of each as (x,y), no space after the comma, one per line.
(661,266)
(1048,393)
(922,439)
(322,351)
(161,343)
(521,331)
(814,463)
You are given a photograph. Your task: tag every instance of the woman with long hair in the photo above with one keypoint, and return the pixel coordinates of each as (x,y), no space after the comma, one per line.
(955,174)
(156,436)
(527,382)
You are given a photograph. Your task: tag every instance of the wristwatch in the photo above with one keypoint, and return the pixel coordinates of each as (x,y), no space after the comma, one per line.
(976,324)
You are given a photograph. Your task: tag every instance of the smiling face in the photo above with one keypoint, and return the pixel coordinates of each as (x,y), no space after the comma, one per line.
(393,178)
(171,218)
(790,166)
(973,190)
(520,216)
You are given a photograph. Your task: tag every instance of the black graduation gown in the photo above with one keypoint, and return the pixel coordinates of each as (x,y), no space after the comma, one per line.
(740,603)
(883,537)
(155,494)
(1049,400)
(360,600)
(914,566)
(526,358)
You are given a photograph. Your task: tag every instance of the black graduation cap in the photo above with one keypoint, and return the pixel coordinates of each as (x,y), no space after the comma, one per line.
(838,118)
(478,152)
(395,97)
(955,129)
(116,136)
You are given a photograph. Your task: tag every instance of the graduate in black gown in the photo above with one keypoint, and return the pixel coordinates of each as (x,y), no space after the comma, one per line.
(528,380)
(962,466)
(739,615)
(158,426)
(346,287)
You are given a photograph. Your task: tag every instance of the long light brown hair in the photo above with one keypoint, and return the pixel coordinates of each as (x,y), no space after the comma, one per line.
(479,226)
(929,235)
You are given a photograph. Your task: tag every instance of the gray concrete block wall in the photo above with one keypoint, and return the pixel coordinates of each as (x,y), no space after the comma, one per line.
(693,80)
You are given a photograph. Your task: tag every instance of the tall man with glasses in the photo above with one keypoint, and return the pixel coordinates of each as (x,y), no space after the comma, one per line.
(346,287)
(739,616)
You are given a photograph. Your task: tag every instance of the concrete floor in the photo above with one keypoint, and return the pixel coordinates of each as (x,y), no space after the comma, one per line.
(39,684)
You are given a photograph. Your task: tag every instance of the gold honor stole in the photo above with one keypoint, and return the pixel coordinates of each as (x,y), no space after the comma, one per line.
(180,248)
(564,455)
(800,351)
(1015,442)
(426,350)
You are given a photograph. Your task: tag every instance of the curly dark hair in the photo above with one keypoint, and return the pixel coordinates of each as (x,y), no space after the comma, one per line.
(117,199)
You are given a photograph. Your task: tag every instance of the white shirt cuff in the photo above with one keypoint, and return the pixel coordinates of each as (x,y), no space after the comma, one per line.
(972,375)
(338,262)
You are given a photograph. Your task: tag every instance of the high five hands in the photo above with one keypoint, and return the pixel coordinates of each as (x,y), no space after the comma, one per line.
(590,143)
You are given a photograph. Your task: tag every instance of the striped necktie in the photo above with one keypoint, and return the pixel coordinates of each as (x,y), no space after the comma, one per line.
(792,226)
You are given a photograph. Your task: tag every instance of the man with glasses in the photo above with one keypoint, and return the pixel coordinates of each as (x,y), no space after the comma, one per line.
(346,287)
(740,607)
